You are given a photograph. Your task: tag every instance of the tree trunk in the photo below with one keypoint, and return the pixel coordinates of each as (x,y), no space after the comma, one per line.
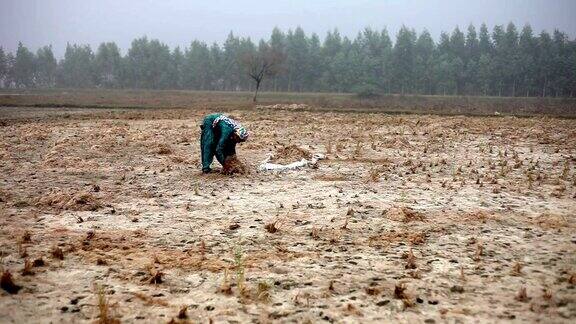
(256,91)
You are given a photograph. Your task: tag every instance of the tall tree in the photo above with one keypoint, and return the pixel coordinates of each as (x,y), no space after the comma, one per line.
(198,74)
(10,79)
(278,43)
(403,58)
(511,59)
(458,59)
(545,62)
(76,70)
(232,69)
(178,68)
(424,69)
(315,64)
(216,67)
(527,57)
(472,60)
(107,65)
(46,67)
(485,43)
(24,67)
(148,64)
(3,68)
(297,53)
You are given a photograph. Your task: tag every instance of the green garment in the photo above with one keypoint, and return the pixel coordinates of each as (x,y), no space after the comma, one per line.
(216,141)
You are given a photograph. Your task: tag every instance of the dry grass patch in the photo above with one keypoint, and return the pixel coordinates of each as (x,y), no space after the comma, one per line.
(70,200)
(404,214)
(290,153)
(552,221)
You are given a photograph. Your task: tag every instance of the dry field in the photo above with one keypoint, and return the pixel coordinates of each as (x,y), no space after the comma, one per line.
(106,217)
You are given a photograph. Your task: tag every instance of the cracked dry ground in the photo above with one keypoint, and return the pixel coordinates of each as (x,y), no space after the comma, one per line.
(409,219)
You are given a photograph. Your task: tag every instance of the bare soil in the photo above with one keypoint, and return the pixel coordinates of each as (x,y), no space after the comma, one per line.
(105,215)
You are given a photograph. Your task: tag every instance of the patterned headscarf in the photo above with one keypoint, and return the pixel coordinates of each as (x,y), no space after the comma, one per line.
(240,131)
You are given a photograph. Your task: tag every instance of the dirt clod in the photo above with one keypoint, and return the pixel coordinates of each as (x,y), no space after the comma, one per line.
(7,283)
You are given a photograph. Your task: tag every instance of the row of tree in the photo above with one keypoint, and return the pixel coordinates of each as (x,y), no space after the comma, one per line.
(504,62)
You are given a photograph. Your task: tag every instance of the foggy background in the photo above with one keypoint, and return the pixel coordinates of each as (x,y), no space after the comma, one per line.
(178,22)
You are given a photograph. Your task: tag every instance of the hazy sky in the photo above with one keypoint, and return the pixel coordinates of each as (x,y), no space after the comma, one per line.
(177,22)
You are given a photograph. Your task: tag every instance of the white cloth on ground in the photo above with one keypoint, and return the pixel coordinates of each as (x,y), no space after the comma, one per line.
(267,166)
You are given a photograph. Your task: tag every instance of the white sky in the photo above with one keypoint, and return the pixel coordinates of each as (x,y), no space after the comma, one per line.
(178,22)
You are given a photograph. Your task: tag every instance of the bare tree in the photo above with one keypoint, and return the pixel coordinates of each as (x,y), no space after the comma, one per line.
(262,62)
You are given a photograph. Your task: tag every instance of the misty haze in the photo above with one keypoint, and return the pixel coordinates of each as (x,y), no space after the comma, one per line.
(287,161)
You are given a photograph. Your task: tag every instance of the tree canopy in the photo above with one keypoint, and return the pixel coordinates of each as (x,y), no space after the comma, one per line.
(506,61)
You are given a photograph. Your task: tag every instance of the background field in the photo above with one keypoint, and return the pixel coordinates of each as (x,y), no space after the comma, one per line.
(451,105)
(410,218)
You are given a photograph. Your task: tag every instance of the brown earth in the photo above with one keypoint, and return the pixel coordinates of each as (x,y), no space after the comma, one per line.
(106,215)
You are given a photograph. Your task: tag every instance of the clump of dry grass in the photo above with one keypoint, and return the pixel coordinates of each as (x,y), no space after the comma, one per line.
(373,291)
(156,276)
(404,214)
(57,253)
(182,313)
(551,221)
(315,233)
(27,270)
(22,250)
(7,283)
(462,274)
(273,226)
(335,237)
(77,201)
(26,237)
(105,315)
(547,294)
(202,250)
(522,296)
(479,252)
(263,292)
(415,274)
(225,288)
(358,150)
(516,269)
(374,174)
(479,216)
(572,279)
(352,310)
(163,149)
(400,293)
(240,268)
(417,238)
(331,288)
(39,262)
(410,260)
